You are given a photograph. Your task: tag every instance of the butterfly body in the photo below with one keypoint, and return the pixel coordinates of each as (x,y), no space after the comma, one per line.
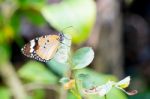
(42,48)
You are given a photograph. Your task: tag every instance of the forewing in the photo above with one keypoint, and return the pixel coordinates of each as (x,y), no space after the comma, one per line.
(42,48)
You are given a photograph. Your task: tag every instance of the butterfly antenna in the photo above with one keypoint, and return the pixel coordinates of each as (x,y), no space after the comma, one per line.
(69,27)
(63,32)
(66,28)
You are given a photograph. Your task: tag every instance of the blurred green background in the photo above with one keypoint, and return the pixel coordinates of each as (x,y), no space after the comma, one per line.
(118,31)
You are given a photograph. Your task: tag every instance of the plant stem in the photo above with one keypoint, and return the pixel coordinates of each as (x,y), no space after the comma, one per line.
(105,97)
(12,81)
(72,75)
(77,89)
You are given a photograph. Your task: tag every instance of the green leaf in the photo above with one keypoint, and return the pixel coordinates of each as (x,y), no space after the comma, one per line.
(36,4)
(83,76)
(71,96)
(5,93)
(38,94)
(57,67)
(83,57)
(15,23)
(35,17)
(2,37)
(5,53)
(113,94)
(64,80)
(85,83)
(88,78)
(116,94)
(80,14)
(36,72)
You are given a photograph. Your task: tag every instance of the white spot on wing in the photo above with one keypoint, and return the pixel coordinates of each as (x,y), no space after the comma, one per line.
(32,44)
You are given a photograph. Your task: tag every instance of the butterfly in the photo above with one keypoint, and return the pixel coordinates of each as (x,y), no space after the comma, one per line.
(43,48)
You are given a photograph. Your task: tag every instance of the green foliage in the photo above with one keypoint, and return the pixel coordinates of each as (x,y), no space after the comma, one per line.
(64,80)
(80,14)
(35,17)
(71,96)
(58,68)
(36,4)
(82,57)
(15,22)
(89,79)
(5,53)
(113,94)
(38,94)
(2,37)
(36,72)
(5,93)
(116,94)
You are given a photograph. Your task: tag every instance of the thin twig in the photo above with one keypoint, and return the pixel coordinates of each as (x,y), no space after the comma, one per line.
(12,81)
(34,86)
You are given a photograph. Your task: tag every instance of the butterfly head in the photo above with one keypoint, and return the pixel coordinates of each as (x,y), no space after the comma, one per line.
(61,37)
